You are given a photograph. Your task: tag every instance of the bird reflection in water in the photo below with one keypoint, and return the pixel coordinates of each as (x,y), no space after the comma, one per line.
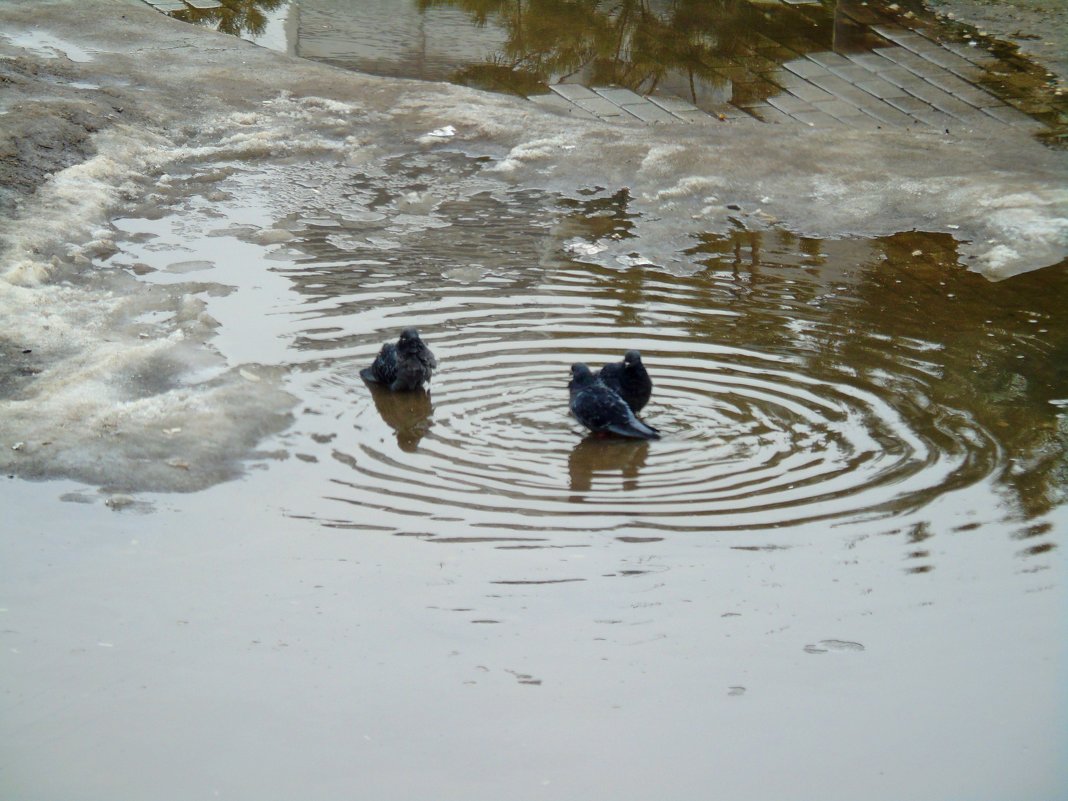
(598,455)
(407,413)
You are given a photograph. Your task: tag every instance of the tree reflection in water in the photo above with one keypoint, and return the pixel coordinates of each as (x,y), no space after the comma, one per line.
(235,17)
(979,347)
(708,51)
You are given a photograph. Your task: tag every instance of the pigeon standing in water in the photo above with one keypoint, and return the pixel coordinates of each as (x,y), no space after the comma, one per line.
(601,409)
(404,366)
(629,379)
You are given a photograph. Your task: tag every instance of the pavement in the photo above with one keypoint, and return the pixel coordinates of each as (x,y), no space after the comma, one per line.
(892,75)
(909,80)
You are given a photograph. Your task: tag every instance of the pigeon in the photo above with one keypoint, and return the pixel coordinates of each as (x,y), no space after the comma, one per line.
(629,379)
(402,367)
(601,409)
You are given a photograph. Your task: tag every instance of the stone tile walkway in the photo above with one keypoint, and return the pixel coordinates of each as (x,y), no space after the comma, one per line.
(905,80)
(909,81)
(619,105)
(166,6)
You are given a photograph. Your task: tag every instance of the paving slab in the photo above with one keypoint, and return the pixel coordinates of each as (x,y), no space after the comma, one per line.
(842,89)
(886,113)
(910,105)
(975,118)
(837,108)
(789,104)
(904,79)
(619,96)
(770,114)
(851,72)
(828,59)
(806,68)
(674,105)
(864,14)
(600,107)
(972,53)
(881,89)
(572,91)
(1011,116)
(895,33)
(862,122)
(647,111)
(913,62)
(561,105)
(808,91)
(952,83)
(938,120)
(818,119)
(700,118)
(941,100)
(968,92)
(870,60)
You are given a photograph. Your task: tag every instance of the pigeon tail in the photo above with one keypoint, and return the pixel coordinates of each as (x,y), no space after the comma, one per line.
(635,429)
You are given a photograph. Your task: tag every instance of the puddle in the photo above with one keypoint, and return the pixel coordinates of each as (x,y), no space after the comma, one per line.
(48,45)
(861,481)
(796,379)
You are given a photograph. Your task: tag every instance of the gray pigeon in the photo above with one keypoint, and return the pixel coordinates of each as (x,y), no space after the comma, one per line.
(402,367)
(601,409)
(629,379)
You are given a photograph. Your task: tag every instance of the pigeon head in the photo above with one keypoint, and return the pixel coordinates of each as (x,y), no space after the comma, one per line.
(581,375)
(632,358)
(409,341)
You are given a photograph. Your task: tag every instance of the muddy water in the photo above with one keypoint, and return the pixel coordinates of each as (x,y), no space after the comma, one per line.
(848,534)
(231,569)
(796,379)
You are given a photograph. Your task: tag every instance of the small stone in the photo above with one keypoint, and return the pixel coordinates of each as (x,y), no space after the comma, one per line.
(118,502)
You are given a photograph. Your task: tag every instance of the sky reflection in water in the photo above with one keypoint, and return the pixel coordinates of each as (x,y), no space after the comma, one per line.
(797,379)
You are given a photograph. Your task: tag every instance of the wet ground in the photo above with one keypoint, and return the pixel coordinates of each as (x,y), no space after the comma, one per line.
(858,64)
(232,569)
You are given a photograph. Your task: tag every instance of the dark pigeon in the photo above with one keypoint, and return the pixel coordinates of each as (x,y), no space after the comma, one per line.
(601,409)
(402,367)
(629,379)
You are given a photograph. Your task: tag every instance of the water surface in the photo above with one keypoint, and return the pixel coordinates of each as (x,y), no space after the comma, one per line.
(796,379)
(725,57)
(840,570)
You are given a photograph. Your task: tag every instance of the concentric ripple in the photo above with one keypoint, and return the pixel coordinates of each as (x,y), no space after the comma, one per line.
(751,439)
